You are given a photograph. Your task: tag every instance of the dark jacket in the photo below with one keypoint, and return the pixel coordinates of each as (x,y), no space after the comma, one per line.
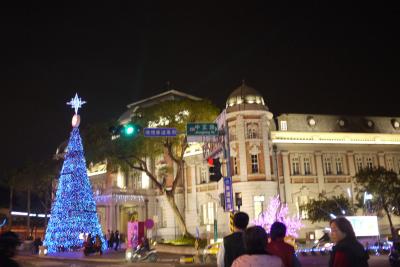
(234,247)
(351,251)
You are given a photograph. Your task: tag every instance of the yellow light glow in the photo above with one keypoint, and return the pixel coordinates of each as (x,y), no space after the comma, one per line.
(145,181)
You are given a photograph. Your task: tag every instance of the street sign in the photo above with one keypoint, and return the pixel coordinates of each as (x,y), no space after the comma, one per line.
(228,191)
(202,129)
(159,132)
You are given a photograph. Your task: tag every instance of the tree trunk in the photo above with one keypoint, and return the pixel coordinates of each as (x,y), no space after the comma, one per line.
(394,234)
(11,205)
(28,222)
(178,215)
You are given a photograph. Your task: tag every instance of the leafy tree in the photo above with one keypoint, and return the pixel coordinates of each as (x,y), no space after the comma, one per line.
(384,186)
(135,153)
(321,209)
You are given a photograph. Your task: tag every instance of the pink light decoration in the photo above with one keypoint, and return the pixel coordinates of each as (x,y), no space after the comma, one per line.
(277,211)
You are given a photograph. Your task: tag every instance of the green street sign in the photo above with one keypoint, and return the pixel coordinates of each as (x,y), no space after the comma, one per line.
(201,129)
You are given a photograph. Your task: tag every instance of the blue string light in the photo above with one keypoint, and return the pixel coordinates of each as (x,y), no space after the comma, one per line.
(74,210)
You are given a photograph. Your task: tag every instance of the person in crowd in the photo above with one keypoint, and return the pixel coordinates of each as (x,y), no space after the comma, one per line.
(255,240)
(36,244)
(8,246)
(111,240)
(107,237)
(232,245)
(98,244)
(116,240)
(279,247)
(347,251)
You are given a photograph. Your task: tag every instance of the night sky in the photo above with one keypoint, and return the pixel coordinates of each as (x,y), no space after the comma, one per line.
(305,59)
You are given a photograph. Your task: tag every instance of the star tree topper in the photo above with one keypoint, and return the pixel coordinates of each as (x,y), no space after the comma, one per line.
(76,103)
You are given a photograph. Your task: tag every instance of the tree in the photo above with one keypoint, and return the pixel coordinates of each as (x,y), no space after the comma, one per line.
(134,153)
(278,212)
(384,186)
(74,210)
(323,208)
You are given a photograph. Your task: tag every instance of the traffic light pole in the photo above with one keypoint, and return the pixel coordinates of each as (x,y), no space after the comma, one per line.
(227,149)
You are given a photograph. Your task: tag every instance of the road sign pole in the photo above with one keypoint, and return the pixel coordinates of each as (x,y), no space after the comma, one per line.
(227,148)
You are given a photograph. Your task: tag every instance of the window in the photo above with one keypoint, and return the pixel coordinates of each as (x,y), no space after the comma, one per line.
(208,213)
(252,131)
(162,219)
(328,166)
(203,175)
(339,165)
(302,200)
(389,164)
(370,163)
(307,166)
(295,166)
(235,166)
(283,126)
(359,164)
(254,163)
(258,205)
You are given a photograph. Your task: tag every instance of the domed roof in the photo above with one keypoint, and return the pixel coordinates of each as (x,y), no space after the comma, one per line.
(245,97)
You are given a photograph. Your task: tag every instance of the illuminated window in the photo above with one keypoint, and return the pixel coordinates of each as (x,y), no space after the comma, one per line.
(254,163)
(301,201)
(162,219)
(258,205)
(283,126)
(370,163)
(295,166)
(203,175)
(252,131)
(208,211)
(307,166)
(235,166)
(359,163)
(339,165)
(328,166)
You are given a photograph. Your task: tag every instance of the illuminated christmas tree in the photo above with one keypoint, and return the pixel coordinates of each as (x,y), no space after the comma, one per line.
(73,214)
(276,211)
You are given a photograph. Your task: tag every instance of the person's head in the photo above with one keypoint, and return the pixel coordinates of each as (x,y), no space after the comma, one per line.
(8,243)
(240,220)
(341,228)
(255,240)
(277,231)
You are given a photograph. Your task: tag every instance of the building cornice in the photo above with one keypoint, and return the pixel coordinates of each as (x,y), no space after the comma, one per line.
(334,138)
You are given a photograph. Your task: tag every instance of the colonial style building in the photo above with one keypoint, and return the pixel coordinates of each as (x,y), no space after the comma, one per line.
(298,156)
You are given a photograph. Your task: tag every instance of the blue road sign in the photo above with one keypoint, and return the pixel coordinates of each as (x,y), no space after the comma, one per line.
(159,132)
(228,191)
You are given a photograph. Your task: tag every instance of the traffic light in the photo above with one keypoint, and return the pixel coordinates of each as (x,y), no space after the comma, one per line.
(214,169)
(127,130)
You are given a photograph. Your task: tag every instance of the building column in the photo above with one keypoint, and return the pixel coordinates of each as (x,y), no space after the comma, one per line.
(240,133)
(381,159)
(118,217)
(352,173)
(286,176)
(266,147)
(320,171)
(111,216)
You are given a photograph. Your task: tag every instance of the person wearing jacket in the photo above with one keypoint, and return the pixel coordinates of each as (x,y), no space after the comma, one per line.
(347,251)
(255,239)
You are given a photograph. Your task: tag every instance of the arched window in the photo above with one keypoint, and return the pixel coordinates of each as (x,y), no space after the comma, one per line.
(252,131)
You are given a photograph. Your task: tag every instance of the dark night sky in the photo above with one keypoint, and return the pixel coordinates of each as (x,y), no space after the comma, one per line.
(306,59)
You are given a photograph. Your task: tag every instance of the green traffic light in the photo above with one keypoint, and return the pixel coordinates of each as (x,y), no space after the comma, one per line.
(129,130)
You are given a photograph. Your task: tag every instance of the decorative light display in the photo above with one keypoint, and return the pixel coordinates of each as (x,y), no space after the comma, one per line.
(277,211)
(74,209)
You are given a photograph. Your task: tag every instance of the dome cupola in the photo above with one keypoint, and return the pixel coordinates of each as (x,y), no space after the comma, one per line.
(245,97)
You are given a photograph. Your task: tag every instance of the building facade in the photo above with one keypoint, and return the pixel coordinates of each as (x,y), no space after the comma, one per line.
(298,156)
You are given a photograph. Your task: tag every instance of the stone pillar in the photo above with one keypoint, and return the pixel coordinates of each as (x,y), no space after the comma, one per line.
(351,165)
(111,216)
(320,171)
(240,133)
(118,217)
(352,172)
(266,147)
(286,176)
(381,159)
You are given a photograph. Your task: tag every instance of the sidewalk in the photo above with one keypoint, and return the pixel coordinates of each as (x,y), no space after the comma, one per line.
(109,256)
